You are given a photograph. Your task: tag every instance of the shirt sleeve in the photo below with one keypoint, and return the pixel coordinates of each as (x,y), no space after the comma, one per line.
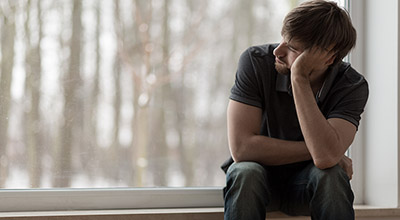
(246,89)
(352,105)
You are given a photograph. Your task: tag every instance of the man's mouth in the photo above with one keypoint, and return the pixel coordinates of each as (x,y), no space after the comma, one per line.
(279,61)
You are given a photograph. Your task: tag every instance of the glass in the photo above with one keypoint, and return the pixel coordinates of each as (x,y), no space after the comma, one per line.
(121,93)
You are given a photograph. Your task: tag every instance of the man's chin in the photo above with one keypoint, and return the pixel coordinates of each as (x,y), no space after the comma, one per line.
(282,69)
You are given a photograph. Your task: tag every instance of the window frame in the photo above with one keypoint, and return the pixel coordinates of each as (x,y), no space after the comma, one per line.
(356,11)
(109,199)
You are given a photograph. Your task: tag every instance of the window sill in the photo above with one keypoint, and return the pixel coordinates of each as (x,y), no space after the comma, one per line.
(142,214)
(362,212)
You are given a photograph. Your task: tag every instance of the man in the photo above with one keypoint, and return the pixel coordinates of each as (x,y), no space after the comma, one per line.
(293,112)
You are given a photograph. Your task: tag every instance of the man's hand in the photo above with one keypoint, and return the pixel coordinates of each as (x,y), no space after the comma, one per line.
(347,164)
(314,60)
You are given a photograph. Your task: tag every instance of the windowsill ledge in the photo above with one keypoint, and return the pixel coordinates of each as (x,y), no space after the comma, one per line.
(370,211)
(176,214)
(360,211)
(113,214)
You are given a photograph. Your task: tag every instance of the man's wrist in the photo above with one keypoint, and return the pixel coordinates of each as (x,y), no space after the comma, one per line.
(300,79)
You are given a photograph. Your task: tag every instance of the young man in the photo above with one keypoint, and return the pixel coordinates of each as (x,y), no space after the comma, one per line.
(294,111)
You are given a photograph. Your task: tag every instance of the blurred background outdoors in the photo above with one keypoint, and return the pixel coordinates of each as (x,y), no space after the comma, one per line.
(122,93)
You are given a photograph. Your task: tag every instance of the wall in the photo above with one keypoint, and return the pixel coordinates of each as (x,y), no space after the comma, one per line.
(381,115)
(376,56)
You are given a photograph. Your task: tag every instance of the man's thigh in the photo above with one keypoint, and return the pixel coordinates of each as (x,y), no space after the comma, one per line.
(310,184)
(285,180)
(294,192)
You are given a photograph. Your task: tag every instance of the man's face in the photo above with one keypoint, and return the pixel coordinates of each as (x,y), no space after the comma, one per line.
(285,55)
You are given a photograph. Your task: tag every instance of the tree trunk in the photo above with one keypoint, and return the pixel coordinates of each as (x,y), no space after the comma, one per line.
(248,5)
(7,64)
(158,145)
(72,106)
(115,146)
(90,159)
(183,102)
(141,97)
(32,91)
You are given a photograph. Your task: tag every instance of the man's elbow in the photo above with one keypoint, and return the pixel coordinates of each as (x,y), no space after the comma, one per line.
(238,152)
(237,155)
(326,162)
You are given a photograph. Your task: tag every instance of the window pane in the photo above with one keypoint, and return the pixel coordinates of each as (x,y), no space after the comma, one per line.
(122,93)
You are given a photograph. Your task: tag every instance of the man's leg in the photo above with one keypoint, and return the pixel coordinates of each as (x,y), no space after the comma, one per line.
(323,194)
(247,193)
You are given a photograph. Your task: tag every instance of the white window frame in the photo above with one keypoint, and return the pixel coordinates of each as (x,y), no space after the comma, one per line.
(356,10)
(109,199)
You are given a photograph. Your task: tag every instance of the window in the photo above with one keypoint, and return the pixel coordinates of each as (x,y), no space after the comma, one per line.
(119,93)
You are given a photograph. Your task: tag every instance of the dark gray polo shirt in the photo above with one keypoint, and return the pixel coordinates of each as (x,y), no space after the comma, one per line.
(343,94)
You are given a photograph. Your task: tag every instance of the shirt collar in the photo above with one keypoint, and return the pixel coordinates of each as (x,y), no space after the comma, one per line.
(283,83)
(328,83)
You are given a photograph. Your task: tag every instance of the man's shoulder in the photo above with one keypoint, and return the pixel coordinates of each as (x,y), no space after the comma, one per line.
(352,76)
(260,58)
(350,81)
(262,50)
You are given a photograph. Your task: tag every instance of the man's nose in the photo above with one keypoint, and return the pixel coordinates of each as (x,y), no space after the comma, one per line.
(279,51)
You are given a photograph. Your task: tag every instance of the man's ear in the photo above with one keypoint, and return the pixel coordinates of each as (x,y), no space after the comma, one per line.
(331,60)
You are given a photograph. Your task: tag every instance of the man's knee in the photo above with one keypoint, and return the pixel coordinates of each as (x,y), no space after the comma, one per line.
(246,195)
(334,174)
(331,191)
(333,181)
(246,171)
(246,175)
(247,181)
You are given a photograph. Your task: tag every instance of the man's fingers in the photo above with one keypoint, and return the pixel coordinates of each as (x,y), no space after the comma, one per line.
(325,54)
(347,164)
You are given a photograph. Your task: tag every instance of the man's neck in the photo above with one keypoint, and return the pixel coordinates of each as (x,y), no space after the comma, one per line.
(317,80)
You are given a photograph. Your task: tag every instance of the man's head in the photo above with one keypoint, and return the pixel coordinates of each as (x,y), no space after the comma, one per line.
(316,23)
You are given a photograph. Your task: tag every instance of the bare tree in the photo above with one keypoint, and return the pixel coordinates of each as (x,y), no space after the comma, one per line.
(90,159)
(72,82)
(158,146)
(115,146)
(184,103)
(7,63)
(143,15)
(32,93)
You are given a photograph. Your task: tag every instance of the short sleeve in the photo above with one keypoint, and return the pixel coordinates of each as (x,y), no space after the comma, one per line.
(352,105)
(246,89)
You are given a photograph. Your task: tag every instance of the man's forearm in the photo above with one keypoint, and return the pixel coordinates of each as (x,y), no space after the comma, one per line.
(271,151)
(320,137)
(246,143)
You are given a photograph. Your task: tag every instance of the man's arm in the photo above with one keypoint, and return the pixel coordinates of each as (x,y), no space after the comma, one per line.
(326,140)
(246,143)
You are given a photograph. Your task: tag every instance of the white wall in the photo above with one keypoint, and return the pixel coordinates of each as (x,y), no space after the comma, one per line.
(377,57)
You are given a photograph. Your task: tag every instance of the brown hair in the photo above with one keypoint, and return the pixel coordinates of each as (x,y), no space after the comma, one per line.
(323,24)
